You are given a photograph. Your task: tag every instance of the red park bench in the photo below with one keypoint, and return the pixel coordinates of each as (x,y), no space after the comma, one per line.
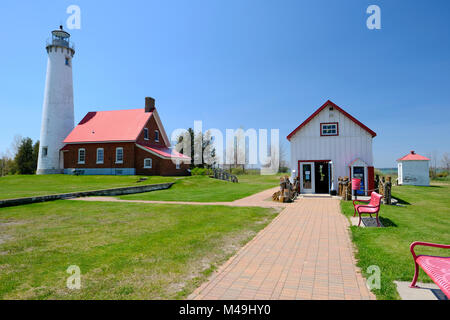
(372,207)
(437,268)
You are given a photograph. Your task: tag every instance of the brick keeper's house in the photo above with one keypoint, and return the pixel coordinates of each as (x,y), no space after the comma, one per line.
(122,142)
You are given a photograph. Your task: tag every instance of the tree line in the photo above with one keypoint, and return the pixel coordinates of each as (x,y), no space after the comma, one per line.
(22,159)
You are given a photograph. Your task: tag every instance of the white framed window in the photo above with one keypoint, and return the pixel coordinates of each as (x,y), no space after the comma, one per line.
(44,151)
(119,155)
(329,129)
(147,163)
(177,165)
(81,156)
(100,155)
(146,133)
(156,136)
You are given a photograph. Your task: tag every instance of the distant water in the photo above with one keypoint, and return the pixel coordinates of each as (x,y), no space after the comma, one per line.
(388,170)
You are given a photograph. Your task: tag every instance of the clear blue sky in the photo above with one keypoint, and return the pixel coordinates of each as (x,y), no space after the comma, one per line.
(256,64)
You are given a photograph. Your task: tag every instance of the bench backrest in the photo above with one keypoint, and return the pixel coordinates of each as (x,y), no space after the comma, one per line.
(375,199)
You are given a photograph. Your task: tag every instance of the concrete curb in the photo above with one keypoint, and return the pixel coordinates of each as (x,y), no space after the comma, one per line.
(104,192)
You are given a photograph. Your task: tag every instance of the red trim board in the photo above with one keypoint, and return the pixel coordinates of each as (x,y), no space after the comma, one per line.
(372,133)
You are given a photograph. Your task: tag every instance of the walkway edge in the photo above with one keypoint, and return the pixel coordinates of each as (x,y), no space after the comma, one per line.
(103,192)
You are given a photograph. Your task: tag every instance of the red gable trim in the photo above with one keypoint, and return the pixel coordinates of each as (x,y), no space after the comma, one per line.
(372,133)
(164,153)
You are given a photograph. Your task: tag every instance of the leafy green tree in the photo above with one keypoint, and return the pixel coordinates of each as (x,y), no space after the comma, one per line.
(24,159)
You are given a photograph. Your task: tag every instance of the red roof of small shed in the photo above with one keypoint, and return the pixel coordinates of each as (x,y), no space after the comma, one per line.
(103,126)
(413,156)
(372,133)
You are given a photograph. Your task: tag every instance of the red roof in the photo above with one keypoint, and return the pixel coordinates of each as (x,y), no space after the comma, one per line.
(164,152)
(372,133)
(412,156)
(102,126)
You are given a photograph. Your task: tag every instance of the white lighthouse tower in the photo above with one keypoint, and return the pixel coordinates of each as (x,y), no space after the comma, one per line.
(57,113)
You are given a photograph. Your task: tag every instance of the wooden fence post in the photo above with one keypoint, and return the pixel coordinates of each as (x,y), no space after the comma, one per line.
(387,191)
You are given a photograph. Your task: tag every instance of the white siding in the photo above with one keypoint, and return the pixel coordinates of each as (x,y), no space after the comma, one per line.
(415,172)
(351,143)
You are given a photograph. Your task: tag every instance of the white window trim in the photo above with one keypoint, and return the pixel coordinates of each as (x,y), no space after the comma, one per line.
(156,136)
(146,130)
(100,162)
(151,163)
(118,161)
(329,124)
(79,150)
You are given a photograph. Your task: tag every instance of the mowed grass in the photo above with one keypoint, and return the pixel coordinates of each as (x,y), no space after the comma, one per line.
(205,189)
(424,217)
(18,186)
(123,250)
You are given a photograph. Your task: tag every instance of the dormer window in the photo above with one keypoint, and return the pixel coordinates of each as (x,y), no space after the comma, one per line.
(145,133)
(156,136)
(329,129)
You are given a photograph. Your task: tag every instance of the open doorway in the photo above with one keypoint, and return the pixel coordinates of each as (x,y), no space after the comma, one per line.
(321,173)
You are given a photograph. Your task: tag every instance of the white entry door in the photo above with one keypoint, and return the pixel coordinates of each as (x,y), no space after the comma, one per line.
(307,177)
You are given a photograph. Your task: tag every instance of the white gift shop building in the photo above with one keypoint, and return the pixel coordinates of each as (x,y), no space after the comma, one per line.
(330,144)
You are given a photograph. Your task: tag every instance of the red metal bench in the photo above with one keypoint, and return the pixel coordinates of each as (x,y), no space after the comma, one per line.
(437,268)
(372,207)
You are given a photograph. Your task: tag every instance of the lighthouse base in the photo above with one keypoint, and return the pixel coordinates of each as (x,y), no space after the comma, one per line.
(49,171)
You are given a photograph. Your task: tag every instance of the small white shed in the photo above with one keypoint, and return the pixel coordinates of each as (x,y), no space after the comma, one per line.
(413,169)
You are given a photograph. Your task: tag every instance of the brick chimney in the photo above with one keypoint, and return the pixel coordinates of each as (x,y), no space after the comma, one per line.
(149,104)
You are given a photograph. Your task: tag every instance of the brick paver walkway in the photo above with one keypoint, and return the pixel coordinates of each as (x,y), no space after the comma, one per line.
(305,253)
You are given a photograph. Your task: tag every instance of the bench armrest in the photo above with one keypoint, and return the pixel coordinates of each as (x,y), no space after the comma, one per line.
(426,244)
(366,201)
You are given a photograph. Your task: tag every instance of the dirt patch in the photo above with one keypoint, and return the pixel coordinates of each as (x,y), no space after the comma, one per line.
(11,223)
(4,238)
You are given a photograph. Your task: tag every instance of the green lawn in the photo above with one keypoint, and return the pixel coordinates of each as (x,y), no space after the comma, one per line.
(205,189)
(425,217)
(124,250)
(18,186)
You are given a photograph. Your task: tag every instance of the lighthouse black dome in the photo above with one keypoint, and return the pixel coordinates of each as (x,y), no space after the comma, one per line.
(60,33)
